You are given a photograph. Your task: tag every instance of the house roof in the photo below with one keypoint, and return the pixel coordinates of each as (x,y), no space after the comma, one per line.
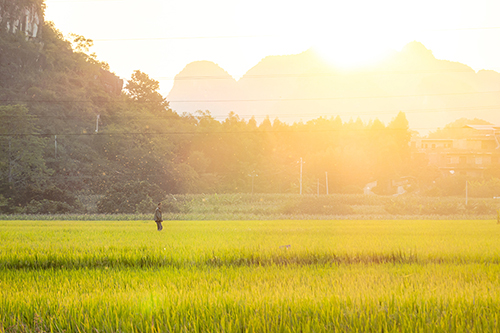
(483,127)
(437,140)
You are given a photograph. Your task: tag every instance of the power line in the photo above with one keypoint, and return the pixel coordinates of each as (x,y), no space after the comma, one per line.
(323,74)
(469,28)
(260,99)
(245,116)
(246,36)
(256,131)
(328,98)
(175,38)
(72,1)
(380,112)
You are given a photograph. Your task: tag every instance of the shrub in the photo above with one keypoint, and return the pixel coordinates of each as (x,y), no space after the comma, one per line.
(417,206)
(45,206)
(351,189)
(128,197)
(480,208)
(485,189)
(49,200)
(439,207)
(317,206)
(7,206)
(447,186)
(147,205)
(173,205)
(403,207)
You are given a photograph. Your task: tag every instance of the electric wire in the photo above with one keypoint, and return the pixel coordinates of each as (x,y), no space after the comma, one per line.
(206,133)
(260,99)
(313,74)
(104,118)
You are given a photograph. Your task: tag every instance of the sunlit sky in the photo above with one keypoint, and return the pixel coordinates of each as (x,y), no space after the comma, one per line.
(160,37)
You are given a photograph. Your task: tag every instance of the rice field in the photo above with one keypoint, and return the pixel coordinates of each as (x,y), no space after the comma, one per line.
(250,276)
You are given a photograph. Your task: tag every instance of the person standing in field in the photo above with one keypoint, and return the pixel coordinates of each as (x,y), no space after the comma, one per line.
(158,218)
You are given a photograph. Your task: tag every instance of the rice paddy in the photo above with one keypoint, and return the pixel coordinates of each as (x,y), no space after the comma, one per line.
(250,276)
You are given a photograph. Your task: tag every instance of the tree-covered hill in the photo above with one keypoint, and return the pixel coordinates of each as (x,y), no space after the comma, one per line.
(56,101)
(69,126)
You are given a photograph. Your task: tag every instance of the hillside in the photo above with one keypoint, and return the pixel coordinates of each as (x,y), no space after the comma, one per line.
(56,102)
(430,91)
(73,133)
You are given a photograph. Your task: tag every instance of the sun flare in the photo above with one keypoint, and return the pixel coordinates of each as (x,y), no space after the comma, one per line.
(351,53)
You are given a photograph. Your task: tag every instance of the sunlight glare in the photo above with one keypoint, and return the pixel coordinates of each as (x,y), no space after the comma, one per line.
(354,47)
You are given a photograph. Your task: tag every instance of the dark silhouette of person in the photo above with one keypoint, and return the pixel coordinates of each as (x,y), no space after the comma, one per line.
(158,218)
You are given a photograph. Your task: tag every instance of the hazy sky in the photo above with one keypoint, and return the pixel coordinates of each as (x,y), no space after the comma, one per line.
(160,37)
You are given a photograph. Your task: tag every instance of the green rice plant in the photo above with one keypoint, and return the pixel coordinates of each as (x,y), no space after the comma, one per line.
(251,276)
(357,297)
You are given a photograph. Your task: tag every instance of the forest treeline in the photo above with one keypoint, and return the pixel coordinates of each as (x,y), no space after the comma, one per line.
(70,126)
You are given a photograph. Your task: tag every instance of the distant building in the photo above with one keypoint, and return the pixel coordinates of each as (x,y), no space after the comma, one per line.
(464,156)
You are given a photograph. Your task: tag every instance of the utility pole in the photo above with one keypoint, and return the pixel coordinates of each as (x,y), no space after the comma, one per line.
(10,159)
(300,178)
(97,124)
(466,193)
(253,175)
(326,173)
(55,146)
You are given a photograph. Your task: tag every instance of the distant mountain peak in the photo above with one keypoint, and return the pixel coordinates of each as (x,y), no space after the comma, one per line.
(304,85)
(288,64)
(203,68)
(416,49)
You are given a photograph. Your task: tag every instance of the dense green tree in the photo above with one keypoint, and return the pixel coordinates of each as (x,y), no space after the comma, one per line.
(130,196)
(144,90)
(116,142)
(22,166)
(457,129)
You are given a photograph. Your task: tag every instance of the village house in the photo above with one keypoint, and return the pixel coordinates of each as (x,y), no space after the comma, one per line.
(469,156)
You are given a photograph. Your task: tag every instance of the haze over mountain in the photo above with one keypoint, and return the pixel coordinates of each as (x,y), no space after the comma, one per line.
(303,86)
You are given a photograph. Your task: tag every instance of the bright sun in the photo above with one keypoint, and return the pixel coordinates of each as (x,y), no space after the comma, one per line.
(349,37)
(351,52)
